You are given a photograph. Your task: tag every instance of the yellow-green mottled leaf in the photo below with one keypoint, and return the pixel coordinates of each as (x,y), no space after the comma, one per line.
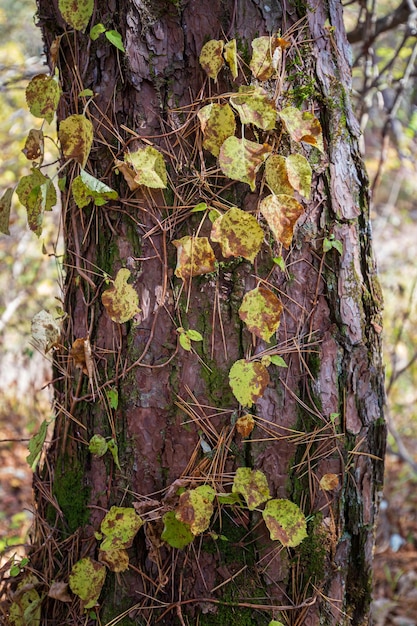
(26,608)
(240,159)
(86,580)
(42,96)
(176,533)
(248,381)
(85,189)
(217,124)
(238,234)
(37,193)
(121,300)
(114,451)
(252,485)
(211,58)
(255,107)
(119,528)
(276,175)
(76,137)
(113,398)
(281,213)
(36,444)
(45,331)
(299,174)
(117,560)
(195,256)
(76,13)
(261,311)
(230,55)
(195,508)
(34,145)
(98,445)
(262,65)
(5,204)
(302,126)
(285,522)
(149,166)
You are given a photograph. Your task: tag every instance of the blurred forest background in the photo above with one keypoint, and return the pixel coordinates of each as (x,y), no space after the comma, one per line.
(383,34)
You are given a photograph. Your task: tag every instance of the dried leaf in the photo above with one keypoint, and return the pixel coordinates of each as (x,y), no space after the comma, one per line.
(240,159)
(248,381)
(276,175)
(59,591)
(299,174)
(255,107)
(230,55)
(217,124)
(76,13)
(42,96)
(261,311)
(78,354)
(253,486)
(285,522)
(302,126)
(238,234)
(149,166)
(45,331)
(245,425)
(121,300)
(128,173)
(328,482)
(195,508)
(176,533)
(37,193)
(5,205)
(262,65)
(211,58)
(34,145)
(281,213)
(76,135)
(195,256)
(86,580)
(85,189)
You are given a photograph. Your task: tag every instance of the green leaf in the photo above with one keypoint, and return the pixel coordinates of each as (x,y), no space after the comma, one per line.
(5,204)
(149,167)
(278,260)
(238,234)
(85,189)
(195,257)
(217,124)
(113,398)
(278,360)
(255,107)
(121,301)
(302,126)
(42,96)
(330,242)
(185,342)
(240,159)
(248,381)
(96,31)
(114,450)
(37,193)
(201,206)
(275,623)
(253,486)
(230,55)
(86,93)
(116,39)
(211,58)
(281,213)
(98,445)
(76,13)
(195,508)
(176,533)
(36,444)
(261,311)
(194,335)
(76,135)
(86,580)
(299,174)
(285,522)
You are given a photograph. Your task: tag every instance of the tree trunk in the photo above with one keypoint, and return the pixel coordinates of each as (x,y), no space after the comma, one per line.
(174,419)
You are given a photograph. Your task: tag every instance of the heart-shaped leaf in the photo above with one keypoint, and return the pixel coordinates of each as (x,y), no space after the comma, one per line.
(245,425)
(261,311)
(255,107)
(149,166)
(42,96)
(85,189)
(76,137)
(121,300)
(195,256)
(302,126)
(176,533)
(285,522)
(238,234)
(248,381)
(253,486)
(281,213)
(217,124)
(240,159)
(211,58)
(86,580)
(76,13)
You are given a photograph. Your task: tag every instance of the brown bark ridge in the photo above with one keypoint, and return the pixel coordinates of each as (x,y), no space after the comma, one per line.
(174,422)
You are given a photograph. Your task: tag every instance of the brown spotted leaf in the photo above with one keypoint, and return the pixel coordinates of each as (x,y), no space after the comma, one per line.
(121,300)
(37,193)
(262,64)
(86,580)
(302,126)
(255,107)
(240,159)
(217,124)
(238,234)
(76,137)
(34,145)
(285,522)
(252,485)
(119,528)
(245,425)
(5,204)
(195,256)
(276,175)
(281,213)
(299,174)
(248,381)
(211,58)
(76,13)
(42,96)
(261,311)
(149,166)
(230,55)
(195,508)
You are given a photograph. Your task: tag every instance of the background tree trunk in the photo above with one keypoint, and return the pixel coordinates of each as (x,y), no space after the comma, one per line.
(321,415)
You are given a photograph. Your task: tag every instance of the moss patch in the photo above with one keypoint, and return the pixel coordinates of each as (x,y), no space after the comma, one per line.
(71,494)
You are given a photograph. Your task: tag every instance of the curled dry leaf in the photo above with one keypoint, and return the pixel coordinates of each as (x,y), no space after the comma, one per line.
(303,126)
(328,482)
(34,145)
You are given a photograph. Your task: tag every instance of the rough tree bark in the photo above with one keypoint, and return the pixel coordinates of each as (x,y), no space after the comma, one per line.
(321,415)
